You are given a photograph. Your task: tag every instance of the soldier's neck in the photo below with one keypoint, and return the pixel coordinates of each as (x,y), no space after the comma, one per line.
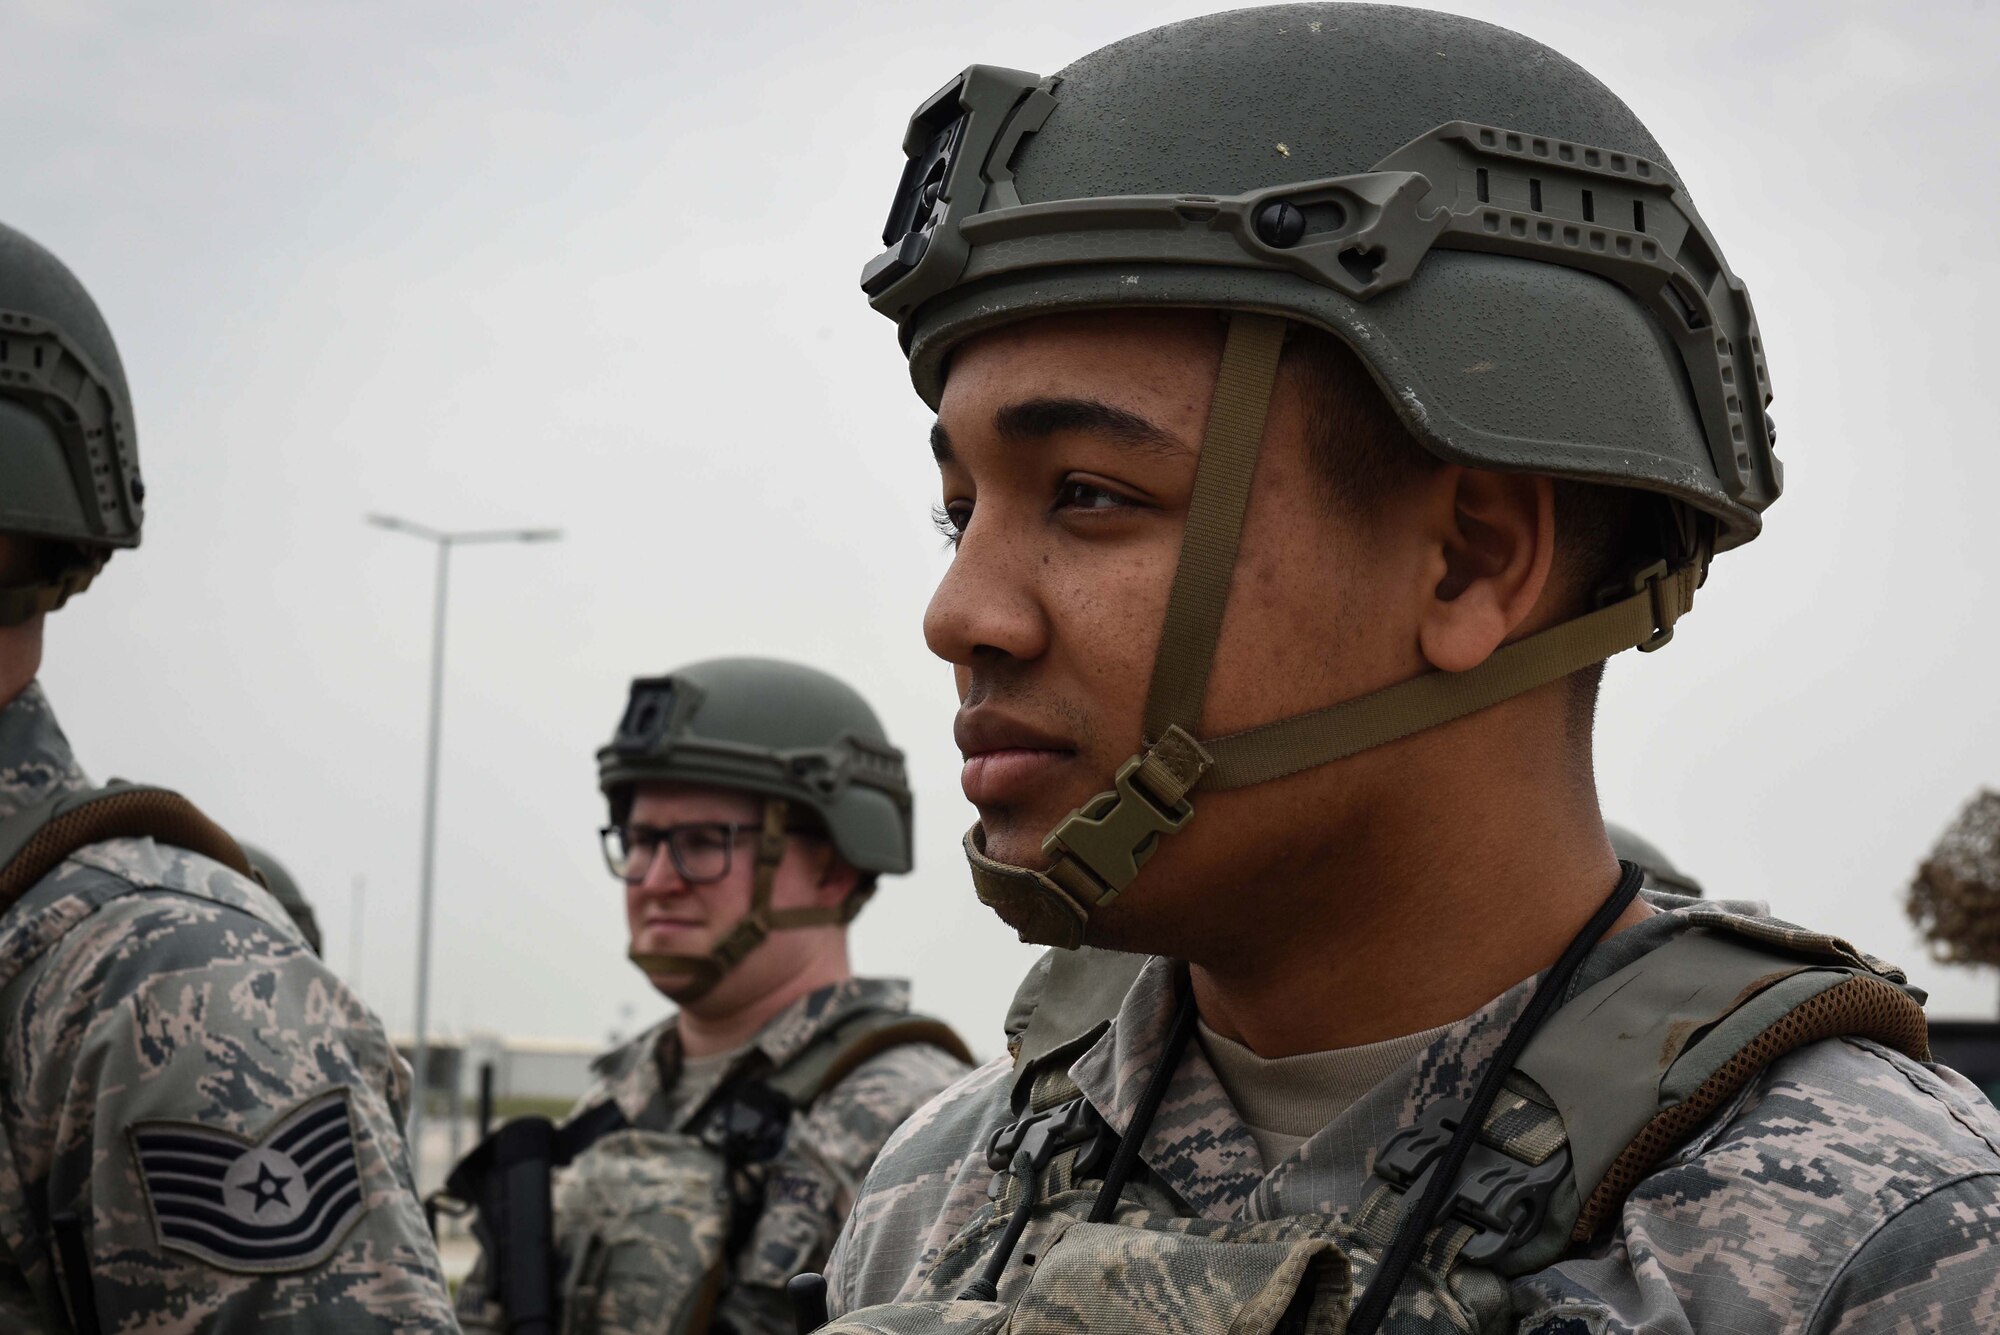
(1458,881)
(723,1021)
(20,658)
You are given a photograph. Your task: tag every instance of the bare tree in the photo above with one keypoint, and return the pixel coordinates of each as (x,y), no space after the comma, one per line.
(1955,898)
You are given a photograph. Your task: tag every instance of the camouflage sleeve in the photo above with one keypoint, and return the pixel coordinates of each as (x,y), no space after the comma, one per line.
(223,1115)
(813,1182)
(1934,1267)
(930,1175)
(1849,1189)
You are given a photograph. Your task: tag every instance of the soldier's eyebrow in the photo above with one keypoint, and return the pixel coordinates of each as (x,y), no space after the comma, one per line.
(940,443)
(1038,419)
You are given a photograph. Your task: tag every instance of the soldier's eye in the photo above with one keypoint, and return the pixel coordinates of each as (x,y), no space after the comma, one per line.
(950,520)
(1076,494)
(702,839)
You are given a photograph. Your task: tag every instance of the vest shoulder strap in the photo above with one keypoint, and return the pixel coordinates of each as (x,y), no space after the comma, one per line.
(1637,1063)
(36,839)
(860,1038)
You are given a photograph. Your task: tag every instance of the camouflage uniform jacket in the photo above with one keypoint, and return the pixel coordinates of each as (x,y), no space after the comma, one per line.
(160,1016)
(1848,1188)
(627,1183)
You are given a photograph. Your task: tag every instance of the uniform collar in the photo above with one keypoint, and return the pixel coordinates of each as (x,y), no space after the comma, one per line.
(652,1091)
(35,760)
(1198,1146)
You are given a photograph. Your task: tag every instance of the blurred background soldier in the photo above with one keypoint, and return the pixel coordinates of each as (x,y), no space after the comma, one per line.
(1661,873)
(199,1123)
(286,891)
(753,804)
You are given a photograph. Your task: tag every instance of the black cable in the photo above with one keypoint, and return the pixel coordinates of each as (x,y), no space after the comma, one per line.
(1416,1223)
(987,1287)
(1155,1093)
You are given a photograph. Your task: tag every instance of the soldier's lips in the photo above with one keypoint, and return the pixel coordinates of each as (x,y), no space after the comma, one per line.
(1010,775)
(663,930)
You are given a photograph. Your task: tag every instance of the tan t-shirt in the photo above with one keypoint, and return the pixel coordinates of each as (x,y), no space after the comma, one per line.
(1283,1101)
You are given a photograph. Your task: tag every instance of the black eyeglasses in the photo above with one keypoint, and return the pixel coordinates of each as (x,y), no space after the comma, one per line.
(701,850)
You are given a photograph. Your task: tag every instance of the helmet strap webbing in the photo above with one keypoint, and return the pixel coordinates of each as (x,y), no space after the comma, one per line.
(21,603)
(759,922)
(1099,848)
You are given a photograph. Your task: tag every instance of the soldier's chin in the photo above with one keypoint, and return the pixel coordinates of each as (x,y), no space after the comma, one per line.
(1006,836)
(669,982)
(674,986)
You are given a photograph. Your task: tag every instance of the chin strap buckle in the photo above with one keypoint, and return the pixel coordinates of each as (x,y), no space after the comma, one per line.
(1669,595)
(1099,847)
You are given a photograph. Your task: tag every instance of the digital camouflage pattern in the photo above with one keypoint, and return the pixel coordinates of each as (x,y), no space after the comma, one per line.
(1847,1188)
(637,1216)
(143,985)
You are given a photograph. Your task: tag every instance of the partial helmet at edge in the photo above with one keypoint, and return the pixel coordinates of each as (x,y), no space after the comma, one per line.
(1661,873)
(69,462)
(285,889)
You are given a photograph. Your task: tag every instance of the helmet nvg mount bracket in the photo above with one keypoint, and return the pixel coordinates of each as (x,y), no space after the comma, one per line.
(804,742)
(1512,258)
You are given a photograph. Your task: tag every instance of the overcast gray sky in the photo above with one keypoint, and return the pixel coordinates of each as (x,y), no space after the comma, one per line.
(590,267)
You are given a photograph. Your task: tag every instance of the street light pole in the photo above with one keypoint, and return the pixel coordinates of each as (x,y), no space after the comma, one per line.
(444,542)
(421,1056)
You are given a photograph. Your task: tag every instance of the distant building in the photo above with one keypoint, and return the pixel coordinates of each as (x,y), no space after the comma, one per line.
(543,1075)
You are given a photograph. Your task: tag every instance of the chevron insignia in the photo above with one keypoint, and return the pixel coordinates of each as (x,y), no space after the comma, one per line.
(281,1202)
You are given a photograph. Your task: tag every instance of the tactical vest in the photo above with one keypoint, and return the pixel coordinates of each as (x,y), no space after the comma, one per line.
(34,842)
(640,1233)
(1614,1082)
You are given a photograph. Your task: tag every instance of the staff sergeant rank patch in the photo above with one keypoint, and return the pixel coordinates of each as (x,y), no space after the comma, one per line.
(282,1202)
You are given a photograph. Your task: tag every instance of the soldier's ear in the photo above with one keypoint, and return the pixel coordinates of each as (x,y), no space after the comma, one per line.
(838,878)
(1495,541)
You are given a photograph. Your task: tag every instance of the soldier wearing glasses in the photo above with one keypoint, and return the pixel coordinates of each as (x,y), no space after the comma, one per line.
(753,804)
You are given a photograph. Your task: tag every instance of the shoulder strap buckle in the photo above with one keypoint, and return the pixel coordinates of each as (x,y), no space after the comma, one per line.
(1504,1200)
(1031,1144)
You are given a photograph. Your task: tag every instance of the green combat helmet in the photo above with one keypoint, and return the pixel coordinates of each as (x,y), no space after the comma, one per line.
(1512,257)
(69,455)
(286,891)
(804,741)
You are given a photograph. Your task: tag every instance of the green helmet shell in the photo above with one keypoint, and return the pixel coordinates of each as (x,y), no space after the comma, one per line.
(69,463)
(286,891)
(1494,233)
(775,729)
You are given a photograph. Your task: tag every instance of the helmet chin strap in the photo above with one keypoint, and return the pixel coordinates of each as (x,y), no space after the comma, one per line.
(21,603)
(1098,849)
(760,921)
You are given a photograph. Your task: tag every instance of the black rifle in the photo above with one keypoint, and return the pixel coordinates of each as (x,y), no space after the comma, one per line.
(506,1182)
